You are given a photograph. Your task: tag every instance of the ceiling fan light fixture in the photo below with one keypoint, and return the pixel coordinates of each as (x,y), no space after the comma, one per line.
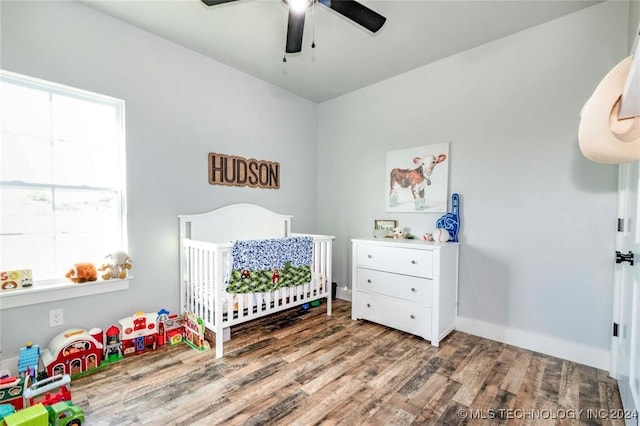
(296,15)
(298,6)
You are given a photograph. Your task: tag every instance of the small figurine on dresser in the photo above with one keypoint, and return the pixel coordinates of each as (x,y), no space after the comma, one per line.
(440,235)
(399,233)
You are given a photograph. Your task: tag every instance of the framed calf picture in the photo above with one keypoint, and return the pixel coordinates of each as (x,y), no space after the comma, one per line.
(418,179)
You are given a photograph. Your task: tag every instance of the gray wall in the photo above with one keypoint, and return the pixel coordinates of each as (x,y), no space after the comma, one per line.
(179,106)
(634,22)
(538,218)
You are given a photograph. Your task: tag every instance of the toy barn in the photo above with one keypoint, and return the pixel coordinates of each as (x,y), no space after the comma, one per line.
(139,333)
(73,351)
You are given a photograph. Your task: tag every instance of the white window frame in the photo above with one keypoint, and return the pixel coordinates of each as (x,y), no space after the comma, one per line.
(61,288)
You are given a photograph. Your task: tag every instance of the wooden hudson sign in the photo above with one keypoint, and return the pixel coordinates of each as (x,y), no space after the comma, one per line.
(239,171)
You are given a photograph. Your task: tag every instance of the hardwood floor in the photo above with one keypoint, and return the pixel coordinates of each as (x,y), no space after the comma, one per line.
(304,368)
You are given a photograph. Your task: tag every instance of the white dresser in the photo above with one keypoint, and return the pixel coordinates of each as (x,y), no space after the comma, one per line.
(410,285)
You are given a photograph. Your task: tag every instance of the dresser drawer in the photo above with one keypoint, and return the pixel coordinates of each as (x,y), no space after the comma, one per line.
(395,313)
(413,289)
(405,261)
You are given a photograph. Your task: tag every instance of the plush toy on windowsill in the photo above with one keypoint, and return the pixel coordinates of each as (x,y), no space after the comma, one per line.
(118,267)
(82,272)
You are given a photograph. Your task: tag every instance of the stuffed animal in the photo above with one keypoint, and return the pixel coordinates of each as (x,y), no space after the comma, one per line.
(440,235)
(82,272)
(399,233)
(118,267)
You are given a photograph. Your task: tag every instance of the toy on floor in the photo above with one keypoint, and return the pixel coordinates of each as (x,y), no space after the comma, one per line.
(12,389)
(139,333)
(28,360)
(5,410)
(112,345)
(42,392)
(60,414)
(77,352)
(194,332)
(170,328)
(73,351)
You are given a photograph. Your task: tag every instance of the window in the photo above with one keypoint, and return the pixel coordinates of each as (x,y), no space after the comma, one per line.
(62,177)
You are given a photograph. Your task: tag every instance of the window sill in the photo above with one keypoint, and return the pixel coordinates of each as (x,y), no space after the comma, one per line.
(62,291)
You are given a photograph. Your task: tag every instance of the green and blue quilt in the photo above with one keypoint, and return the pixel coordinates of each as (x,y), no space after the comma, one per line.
(270,264)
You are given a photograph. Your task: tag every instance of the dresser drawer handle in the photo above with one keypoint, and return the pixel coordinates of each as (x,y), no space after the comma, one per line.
(369,256)
(412,317)
(369,281)
(413,289)
(368,305)
(413,262)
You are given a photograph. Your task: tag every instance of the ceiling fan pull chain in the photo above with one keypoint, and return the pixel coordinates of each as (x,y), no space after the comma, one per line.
(284,30)
(313,33)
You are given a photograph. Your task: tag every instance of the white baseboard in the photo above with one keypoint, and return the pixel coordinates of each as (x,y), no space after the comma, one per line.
(571,351)
(344,294)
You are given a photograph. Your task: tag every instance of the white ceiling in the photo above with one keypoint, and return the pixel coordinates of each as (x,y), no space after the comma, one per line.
(249,35)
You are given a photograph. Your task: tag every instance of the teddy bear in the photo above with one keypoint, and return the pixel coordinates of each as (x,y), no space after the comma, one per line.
(118,267)
(82,272)
(399,233)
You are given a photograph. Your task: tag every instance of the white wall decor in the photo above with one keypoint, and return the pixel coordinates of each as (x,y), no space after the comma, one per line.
(417,179)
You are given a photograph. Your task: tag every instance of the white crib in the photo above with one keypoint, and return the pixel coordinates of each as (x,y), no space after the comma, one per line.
(205,264)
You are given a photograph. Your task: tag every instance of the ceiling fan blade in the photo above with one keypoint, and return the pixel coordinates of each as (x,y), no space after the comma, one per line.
(295,28)
(357,12)
(216,2)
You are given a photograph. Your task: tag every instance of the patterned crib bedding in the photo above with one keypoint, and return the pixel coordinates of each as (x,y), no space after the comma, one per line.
(270,264)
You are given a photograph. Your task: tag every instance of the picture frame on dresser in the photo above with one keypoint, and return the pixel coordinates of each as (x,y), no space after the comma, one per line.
(384,224)
(383,228)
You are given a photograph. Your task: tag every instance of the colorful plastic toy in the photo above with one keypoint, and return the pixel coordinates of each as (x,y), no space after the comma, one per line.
(42,392)
(112,345)
(139,333)
(170,328)
(77,352)
(194,332)
(60,414)
(28,360)
(73,351)
(12,390)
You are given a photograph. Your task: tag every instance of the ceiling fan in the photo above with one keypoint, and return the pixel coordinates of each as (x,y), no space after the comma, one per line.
(350,9)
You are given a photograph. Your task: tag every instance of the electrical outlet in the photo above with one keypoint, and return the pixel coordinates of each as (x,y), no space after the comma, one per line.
(55,318)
